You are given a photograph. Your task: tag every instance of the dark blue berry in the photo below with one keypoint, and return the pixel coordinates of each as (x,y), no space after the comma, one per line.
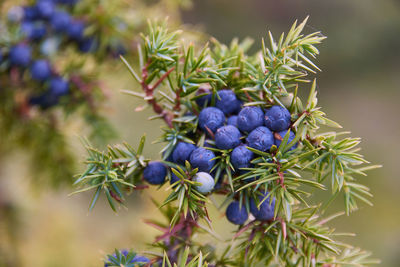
(250,118)
(88,44)
(182,152)
(33,31)
(277,118)
(232,120)
(40,70)
(155,173)
(241,157)
(30,13)
(266,211)
(59,86)
(203,159)
(60,21)
(76,30)
(45,100)
(227,101)
(174,178)
(260,138)
(45,8)
(236,214)
(211,118)
(227,137)
(20,55)
(282,134)
(204,100)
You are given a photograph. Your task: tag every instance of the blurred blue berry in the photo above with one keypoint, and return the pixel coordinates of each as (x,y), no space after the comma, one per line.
(60,21)
(30,13)
(155,173)
(260,138)
(15,14)
(236,214)
(45,8)
(204,100)
(266,211)
(20,55)
(227,137)
(76,30)
(59,86)
(40,70)
(211,118)
(203,159)
(182,152)
(277,118)
(241,157)
(88,44)
(250,118)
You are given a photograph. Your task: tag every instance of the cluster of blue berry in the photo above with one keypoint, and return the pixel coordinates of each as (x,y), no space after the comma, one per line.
(45,25)
(231,128)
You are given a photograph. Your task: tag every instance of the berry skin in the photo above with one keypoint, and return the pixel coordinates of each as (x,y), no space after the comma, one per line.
(233,120)
(20,55)
(45,100)
(260,138)
(87,45)
(203,159)
(277,118)
(59,86)
(236,214)
(227,137)
(205,99)
(30,13)
(182,152)
(76,30)
(60,21)
(227,101)
(40,70)
(45,8)
(241,157)
(282,134)
(155,173)
(206,180)
(211,118)
(33,31)
(250,118)
(266,211)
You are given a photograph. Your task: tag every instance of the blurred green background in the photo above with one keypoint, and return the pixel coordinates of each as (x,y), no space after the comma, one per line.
(358,87)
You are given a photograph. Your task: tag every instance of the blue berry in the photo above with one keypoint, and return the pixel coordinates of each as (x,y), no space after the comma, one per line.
(236,214)
(211,118)
(227,137)
(68,2)
(88,44)
(205,99)
(282,134)
(20,55)
(40,70)
(30,13)
(59,86)
(266,211)
(203,159)
(182,152)
(250,118)
(206,180)
(76,30)
(45,8)
(60,20)
(241,157)
(227,101)
(277,118)
(233,120)
(174,178)
(45,100)
(155,173)
(33,31)
(260,138)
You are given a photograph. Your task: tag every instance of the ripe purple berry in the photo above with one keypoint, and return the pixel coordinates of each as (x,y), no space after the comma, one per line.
(182,152)
(227,137)
(40,70)
(203,159)
(232,120)
(266,210)
(260,138)
(211,118)
(277,118)
(227,101)
(155,173)
(20,55)
(250,118)
(241,157)
(282,134)
(236,214)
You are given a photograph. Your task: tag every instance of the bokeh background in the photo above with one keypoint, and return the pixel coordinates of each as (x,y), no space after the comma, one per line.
(358,87)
